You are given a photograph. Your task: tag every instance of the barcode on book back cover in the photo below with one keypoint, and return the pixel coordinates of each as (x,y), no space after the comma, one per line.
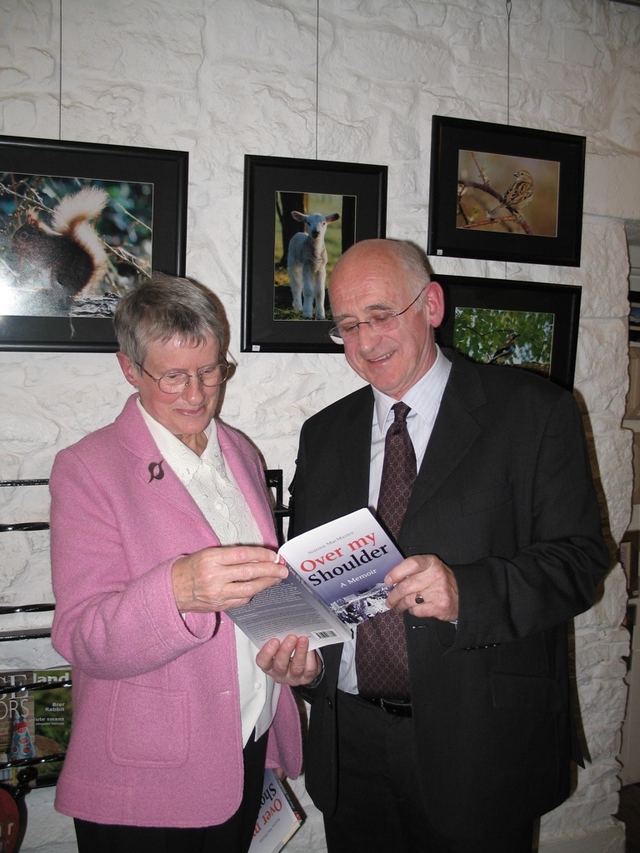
(324,634)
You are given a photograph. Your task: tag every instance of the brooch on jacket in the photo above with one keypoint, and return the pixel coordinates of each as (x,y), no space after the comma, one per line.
(155,470)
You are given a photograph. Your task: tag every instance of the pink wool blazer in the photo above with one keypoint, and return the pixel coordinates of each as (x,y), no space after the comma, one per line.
(156,737)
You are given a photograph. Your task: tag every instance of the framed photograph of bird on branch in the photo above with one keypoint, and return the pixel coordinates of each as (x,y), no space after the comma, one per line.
(505,193)
(518,323)
(299,217)
(80,224)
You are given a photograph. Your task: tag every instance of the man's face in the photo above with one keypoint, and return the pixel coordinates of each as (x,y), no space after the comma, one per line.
(366,283)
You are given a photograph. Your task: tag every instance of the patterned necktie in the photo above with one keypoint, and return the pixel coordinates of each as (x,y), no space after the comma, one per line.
(381,650)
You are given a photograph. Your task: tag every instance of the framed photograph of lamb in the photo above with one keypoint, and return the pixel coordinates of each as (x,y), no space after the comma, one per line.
(80,224)
(505,193)
(521,324)
(299,217)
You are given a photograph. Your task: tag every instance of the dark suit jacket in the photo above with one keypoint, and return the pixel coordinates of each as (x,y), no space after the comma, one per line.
(504,497)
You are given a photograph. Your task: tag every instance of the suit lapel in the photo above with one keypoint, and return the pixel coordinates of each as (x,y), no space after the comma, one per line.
(247,477)
(355,449)
(454,432)
(149,465)
(156,473)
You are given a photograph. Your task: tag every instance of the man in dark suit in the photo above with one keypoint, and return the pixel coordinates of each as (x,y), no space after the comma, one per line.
(503,544)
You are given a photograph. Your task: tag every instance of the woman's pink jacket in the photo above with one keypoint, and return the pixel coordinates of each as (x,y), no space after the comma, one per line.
(156,736)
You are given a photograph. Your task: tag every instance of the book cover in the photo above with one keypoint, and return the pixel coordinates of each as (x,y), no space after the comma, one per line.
(336,580)
(279,817)
(14,706)
(52,720)
(34,723)
(345,562)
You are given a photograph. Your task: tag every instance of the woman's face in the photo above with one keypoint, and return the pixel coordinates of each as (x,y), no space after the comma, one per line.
(187,413)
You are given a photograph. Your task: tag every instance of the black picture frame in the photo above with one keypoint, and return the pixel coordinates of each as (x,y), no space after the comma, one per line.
(494,313)
(628,553)
(30,169)
(363,192)
(634,315)
(474,164)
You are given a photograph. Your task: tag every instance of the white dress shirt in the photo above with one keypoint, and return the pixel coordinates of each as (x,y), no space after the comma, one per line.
(424,399)
(213,487)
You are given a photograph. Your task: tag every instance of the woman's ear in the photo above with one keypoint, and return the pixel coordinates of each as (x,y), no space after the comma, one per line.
(130,370)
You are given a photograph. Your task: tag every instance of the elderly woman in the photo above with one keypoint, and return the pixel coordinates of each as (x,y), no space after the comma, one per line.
(160,522)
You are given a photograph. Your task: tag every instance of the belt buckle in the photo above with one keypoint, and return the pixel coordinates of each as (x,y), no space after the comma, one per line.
(399,709)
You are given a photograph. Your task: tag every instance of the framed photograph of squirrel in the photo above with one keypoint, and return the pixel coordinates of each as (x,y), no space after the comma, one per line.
(299,217)
(80,224)
(505,193)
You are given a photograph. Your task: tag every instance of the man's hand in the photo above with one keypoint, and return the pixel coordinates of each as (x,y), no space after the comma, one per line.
(428,578)
(290,661)
(221,578)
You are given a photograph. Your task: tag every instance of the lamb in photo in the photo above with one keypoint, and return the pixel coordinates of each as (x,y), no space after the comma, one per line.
(307,264)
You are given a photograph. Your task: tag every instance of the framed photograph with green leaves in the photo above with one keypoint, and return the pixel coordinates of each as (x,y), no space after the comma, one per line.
(505,193)
(522,324)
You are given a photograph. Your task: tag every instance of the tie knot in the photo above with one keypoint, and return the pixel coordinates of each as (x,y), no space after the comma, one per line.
(400,412)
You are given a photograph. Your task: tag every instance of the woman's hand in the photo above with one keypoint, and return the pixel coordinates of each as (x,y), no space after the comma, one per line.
(290,661)
(224,577)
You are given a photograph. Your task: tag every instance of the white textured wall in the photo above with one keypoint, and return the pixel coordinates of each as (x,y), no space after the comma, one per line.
(221,78)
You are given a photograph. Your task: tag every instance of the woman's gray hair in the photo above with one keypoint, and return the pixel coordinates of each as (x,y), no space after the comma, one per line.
(164,307)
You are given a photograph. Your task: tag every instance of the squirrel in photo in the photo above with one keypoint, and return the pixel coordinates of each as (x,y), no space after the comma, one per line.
(70,248)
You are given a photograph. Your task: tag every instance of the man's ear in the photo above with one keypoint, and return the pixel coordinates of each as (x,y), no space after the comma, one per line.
(130,370)
(434,300)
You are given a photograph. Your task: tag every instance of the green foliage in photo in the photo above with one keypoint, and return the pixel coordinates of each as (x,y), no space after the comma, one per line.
(492,335)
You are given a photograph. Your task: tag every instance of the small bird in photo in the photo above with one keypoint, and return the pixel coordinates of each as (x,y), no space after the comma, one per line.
(519,194)
(504,352)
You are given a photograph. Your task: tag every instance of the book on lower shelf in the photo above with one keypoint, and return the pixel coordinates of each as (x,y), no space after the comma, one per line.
(336,581)
(14,706)
(34,723)
(279,817)
(52,712)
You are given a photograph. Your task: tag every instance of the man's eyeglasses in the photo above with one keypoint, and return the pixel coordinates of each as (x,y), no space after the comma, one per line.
(175,381)
(378,322)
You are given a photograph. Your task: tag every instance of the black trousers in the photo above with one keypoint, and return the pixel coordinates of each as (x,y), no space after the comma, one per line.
(233,836)
(380,808)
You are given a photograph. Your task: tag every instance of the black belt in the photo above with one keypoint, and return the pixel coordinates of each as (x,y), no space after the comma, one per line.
(398,708)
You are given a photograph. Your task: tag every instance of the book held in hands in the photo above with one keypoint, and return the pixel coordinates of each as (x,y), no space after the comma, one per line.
(336,581)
